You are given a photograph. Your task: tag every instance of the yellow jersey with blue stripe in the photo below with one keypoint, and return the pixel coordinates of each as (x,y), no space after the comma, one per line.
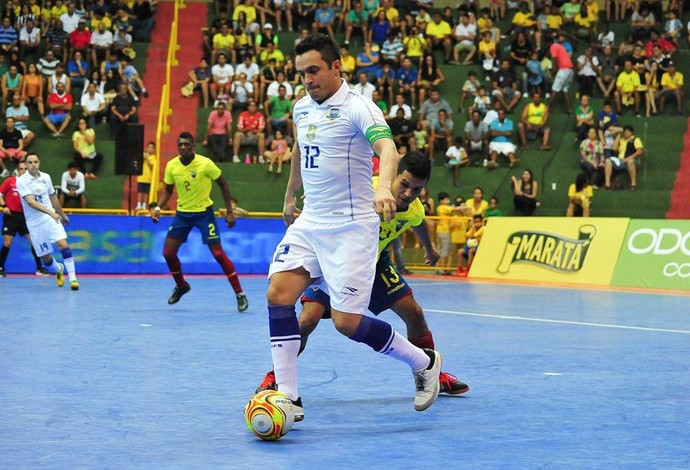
(193,182)
(389,231)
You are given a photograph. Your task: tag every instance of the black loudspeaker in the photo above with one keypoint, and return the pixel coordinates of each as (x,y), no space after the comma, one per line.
(129,149)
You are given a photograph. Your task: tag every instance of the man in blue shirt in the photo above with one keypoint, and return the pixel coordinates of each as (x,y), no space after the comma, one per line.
(501,133)
(407,80)
(323,18)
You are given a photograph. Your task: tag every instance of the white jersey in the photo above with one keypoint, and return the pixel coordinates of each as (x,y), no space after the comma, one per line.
(335,139)
(41,189)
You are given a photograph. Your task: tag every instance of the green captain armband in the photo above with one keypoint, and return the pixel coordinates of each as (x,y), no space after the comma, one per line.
(379,131)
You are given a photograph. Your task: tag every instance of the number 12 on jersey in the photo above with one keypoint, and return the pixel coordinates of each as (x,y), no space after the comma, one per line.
(311,152)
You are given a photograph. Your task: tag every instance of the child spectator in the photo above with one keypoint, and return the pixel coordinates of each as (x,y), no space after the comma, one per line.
(279,153)
(481,103)
(474,237)
(144,180)
(444,211)
(580,197)
(494,210)
(456,156)
(469,89)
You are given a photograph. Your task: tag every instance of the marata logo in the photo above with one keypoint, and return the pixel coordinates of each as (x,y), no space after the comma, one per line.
(548,250)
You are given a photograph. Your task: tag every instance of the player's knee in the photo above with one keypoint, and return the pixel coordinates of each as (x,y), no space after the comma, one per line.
(309,317)
(217,251)
(346,324)
(169,252)
(411,313)
(277,296)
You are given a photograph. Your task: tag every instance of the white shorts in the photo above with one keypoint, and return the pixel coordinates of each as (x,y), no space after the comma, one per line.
(342,256)
(24,132)
(44,233)
(502,147)
(563,79)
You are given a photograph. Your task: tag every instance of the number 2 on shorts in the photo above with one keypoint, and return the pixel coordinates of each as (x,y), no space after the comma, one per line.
(279,254)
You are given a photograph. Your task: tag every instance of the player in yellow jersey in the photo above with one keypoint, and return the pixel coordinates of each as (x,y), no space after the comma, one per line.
(193,176)
(390,289)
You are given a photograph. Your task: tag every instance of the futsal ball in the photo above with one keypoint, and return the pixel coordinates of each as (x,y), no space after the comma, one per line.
(269,415)
(472,243)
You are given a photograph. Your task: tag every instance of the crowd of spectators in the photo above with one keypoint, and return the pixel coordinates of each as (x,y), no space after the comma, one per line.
(524,62)
(69,65)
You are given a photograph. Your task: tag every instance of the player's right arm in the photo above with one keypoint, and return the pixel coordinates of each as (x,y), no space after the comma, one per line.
(431,256)
(156,210)
(294,184)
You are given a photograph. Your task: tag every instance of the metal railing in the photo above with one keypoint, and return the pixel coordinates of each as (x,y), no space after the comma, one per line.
(164,109)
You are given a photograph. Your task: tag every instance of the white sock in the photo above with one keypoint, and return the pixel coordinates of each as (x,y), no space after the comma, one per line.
(69,265)
(402,350)
(284,354)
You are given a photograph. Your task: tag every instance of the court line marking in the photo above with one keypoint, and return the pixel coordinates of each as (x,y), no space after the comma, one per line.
(561,322)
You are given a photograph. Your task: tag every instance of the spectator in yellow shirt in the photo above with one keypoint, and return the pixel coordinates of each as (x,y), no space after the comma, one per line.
(444,211)
(438,34)
(474,237)
(627,88)
(630,150)
(523,19)
(224,41)
(671,86)
(580,196)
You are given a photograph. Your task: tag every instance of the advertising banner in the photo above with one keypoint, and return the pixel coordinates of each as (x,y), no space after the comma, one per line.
(656,254)
(134,245)
(550,249)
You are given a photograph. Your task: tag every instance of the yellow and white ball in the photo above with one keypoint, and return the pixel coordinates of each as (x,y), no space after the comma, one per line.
(269,415)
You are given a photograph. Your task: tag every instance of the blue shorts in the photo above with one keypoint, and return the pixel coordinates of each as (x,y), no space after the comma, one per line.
(57,119)
(143,187)
(184,222)
(389,287)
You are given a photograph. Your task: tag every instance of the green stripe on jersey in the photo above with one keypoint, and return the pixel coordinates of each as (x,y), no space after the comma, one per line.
(379,131)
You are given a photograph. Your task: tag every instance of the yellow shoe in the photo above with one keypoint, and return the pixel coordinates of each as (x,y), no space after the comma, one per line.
(60,275)
(74,284)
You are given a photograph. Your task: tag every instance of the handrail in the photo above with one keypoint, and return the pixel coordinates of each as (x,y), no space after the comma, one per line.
(164,109)
(69,210)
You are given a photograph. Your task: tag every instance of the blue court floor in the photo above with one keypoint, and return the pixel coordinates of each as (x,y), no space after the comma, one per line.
(113,377)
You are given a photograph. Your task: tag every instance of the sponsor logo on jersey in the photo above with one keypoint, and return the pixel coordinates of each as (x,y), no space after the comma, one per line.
(311,132)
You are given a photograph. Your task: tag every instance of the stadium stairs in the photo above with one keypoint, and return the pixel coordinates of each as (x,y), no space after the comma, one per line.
(190,38)
(680,197)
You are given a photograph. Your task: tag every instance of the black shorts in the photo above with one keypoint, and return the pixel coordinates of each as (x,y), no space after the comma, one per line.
(14,223)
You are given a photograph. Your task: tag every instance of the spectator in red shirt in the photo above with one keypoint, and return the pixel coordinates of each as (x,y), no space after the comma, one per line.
(218,131)
(250,131)
(60,105)
(564,76)
(11,145)
(13,221)
(80,39)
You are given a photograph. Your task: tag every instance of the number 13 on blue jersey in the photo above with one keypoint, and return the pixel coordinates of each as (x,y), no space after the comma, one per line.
(311,152)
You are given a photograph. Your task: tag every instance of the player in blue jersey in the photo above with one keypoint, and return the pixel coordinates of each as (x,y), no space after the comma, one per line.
(390,289)
(334,240)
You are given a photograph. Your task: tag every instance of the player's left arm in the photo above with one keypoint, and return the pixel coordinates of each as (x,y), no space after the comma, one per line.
(227,197)
(58,209)
(431,256)
(384,202)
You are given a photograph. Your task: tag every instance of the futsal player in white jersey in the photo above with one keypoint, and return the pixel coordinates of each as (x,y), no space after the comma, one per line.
(45,219)
(334,240)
